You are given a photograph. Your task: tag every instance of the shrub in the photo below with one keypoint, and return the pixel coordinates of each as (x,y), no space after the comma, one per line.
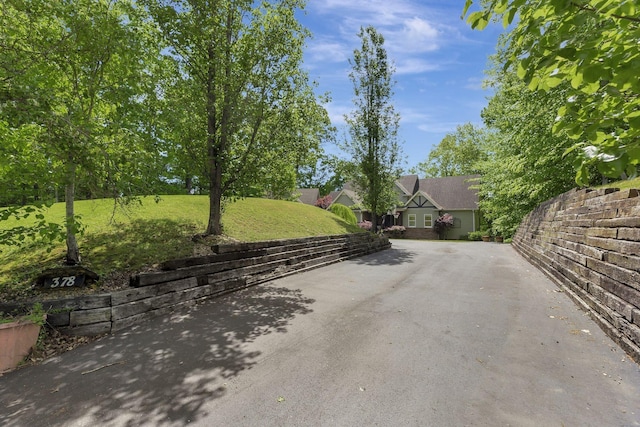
(443,223)
(476,235)
(394,231)
(365,224)
(344,212)
(324,202)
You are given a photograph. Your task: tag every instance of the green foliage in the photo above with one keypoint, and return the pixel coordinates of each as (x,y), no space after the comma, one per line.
(457,154)
(476,236)
(373,125)
(592,45)
(124,238)
(330,174)
(70,88)
(344,212)
(255,121)
(35,315)
(526,160)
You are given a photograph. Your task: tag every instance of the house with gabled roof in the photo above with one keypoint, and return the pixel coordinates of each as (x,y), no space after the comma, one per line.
(422,201)
(436,196)
(308,196)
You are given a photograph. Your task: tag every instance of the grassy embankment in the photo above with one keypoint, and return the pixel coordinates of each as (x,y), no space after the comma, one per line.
(623,185)
(141,235)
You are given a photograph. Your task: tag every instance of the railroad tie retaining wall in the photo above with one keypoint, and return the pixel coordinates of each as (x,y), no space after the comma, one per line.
(187,281)
(588,242)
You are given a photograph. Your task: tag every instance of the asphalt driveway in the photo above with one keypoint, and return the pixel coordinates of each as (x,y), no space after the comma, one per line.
(423,334)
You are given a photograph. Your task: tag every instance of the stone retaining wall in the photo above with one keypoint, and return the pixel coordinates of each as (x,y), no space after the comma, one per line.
(184,282)
(588,242)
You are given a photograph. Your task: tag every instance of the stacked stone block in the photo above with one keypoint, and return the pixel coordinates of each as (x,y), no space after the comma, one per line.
(588,242)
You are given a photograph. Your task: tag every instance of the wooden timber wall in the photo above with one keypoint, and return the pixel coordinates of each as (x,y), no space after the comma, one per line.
(588,242)
(184,282)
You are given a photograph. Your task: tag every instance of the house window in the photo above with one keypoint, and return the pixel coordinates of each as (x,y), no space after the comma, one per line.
(428,223)
(412,221)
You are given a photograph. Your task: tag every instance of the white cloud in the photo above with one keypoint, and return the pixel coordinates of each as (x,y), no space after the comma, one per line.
(411,30)
(416,35)
(336,112)
(412,65)
(374,12)
(328,51)
(439,127)
(411,115)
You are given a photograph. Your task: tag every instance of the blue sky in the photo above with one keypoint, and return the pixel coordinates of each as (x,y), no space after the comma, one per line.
(439,60)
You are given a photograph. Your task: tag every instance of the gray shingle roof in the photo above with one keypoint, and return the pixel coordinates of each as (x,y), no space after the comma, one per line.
(308,196)
(451,192)
(409,183)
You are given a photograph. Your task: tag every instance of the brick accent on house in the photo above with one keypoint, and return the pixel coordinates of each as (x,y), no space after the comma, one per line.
(421,233)
(588,242)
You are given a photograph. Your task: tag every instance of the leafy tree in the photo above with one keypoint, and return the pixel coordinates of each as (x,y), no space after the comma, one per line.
(241,66)
(329,174)
(74,71)
(593,44)
(457,154)
(525,162)
(373,125)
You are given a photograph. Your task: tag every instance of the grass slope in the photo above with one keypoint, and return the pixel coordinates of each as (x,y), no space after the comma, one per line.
(623,185)
(127,239)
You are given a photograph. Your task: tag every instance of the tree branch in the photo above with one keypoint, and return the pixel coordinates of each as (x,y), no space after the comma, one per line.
(587,8)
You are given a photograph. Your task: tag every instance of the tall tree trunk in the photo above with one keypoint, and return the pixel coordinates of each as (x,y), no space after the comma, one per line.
(215,197)
(218,132)
(73,253)
(215,172)
(215,151)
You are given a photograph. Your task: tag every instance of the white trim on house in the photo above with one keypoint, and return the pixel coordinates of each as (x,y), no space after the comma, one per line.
(426,196)
(424,221)
(402,188)
(415,220)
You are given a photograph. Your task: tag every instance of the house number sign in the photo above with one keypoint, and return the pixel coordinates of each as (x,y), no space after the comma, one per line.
(66,277)
(64,281)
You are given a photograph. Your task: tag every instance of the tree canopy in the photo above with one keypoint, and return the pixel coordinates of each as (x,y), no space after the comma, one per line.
(71,81)
(593,45)
(118,98)
(457,154)
(255,117)
(525,161)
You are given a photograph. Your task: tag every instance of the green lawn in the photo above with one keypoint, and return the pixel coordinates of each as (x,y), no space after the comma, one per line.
(145,234)
(623,185)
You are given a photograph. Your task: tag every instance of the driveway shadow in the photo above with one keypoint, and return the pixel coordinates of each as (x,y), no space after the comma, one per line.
(159,373)
(391,256)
